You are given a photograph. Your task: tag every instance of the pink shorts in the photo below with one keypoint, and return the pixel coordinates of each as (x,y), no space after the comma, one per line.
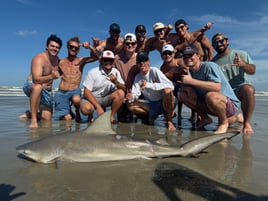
(230,107)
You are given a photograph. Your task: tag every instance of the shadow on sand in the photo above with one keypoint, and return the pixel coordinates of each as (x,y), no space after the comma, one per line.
(6,192)
(181,183)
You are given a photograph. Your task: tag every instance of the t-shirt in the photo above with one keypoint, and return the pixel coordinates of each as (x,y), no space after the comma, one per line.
(235,75)
(209,71)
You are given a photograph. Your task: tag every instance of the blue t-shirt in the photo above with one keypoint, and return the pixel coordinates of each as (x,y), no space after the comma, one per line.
(210,71)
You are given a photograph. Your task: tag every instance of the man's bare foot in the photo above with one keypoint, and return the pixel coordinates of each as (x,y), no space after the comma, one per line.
(170,126)
(222,128)
(247,129)
(201,122)
(33,124)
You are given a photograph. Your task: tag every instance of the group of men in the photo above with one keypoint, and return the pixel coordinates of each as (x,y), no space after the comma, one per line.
(126,81)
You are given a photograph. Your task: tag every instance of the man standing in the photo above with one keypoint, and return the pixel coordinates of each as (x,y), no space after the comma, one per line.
(103,87)
(207,91)
(44,69)
(71,69)
(235,64)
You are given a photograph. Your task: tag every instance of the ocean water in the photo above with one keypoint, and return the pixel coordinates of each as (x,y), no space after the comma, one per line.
(237,170)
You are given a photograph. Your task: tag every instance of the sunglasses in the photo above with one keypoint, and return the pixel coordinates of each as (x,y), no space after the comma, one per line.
(140,33)
(73,47)
(108,60)
(180,27)
(115,32)
(129,43)
(167,53)
(215,43)
(158,31)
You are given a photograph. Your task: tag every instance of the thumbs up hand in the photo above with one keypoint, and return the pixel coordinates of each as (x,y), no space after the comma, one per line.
(187,78)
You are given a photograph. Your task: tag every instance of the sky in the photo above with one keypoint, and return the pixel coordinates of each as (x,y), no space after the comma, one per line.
(26,25)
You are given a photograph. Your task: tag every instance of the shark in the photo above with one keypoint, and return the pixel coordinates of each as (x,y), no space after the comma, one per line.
(99,142)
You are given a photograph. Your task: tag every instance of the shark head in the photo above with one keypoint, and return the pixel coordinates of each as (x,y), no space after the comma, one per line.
(35,152)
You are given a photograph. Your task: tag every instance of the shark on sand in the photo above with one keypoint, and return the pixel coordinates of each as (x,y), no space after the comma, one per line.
(99,142)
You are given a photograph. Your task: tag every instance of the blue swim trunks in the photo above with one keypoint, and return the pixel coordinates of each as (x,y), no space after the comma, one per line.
(46,96)
(156,108)
(63,102)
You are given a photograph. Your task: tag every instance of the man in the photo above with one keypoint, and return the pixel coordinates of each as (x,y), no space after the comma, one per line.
(206,91)
(44,69)
(236,64)
(71,69)
(140,32)
(103,87)
(125,62)
(113,43)
(159,39)
(183,38)
(156,89)
(173,68)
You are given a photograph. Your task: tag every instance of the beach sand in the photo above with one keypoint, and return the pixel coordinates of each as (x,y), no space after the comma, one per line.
(236,170)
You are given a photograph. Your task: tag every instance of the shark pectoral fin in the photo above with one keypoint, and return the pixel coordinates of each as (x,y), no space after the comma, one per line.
(144,157)
(162,141)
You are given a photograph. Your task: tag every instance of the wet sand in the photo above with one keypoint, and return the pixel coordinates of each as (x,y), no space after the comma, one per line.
(237,170)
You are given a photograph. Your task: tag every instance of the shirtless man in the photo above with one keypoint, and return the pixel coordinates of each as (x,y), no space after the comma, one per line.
(183,38)
(71,69)
(140,32)
(113,43)
(173,68)
(44,69)
(159,39)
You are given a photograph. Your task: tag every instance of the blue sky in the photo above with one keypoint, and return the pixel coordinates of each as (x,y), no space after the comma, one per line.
(26,24)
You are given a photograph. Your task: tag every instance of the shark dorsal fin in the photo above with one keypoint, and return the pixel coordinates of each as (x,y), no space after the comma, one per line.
(101,126)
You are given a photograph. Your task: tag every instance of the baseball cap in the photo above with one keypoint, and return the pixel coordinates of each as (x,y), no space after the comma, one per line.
(140,28)
(222,35)
(114,27)
(190,50)
(129,37)
(158,25)
(107,54)
(167,47)
(180,22)
(142,57)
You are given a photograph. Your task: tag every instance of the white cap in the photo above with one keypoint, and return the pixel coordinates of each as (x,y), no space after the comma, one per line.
(107,54)
(158,25)
(130,37)
(167,47)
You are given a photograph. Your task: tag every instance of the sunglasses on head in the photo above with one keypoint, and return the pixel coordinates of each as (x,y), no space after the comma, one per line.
(108,60)
(215,43)
(73,47)
(130,43)
(167,53)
